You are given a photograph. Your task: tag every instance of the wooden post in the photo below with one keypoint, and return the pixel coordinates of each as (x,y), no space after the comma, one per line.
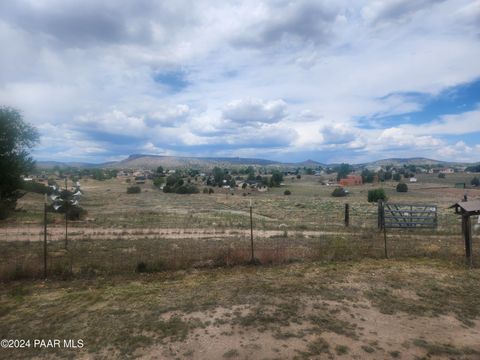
(467,233)
(380,215)
(251,233)
(385,240)
(67,205)
(347,215)
(45,238)
(381,220)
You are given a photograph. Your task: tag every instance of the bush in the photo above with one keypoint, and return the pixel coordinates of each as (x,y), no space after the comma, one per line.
(205,190)
(143,267)
(158,182)
(441,176)
(210,191)
(134,190)
(402,187)
(175,184)
(287,192)
(74,212)
(375,195)
(397,177)
(186,189)
(339,192)
(276,179)
(475,181)
(32,186)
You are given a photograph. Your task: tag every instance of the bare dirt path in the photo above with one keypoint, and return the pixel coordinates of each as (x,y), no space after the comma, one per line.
(35,233)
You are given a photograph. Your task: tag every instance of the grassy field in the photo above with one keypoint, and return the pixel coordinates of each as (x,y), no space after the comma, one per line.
(170,231)
(310,206)
(375,309)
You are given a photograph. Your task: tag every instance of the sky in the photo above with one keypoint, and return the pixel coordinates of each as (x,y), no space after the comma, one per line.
(340,80)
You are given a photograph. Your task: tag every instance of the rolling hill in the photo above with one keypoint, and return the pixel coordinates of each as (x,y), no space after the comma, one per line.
(137,161)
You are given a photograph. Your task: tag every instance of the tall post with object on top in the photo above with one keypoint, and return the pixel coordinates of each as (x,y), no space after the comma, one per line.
(45,238)
(251,233)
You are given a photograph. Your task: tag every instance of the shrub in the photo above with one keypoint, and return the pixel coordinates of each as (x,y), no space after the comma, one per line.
(375,195)
(396,177)
(210,191)
(339,192)
(276,179)
(74,212)
(186,189)
(402,187)
(134,190)
(287,192)
(32,186)
(441,176)
(205,190)
(475,181)
(175,184)
(158,181)
(141,267)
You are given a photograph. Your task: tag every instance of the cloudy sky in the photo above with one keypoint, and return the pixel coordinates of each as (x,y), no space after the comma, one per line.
(339,80)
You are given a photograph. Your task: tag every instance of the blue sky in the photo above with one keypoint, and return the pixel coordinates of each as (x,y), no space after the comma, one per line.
(326,80)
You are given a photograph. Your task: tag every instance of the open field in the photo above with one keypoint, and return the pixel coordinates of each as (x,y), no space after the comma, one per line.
(375,309)
(310,206)
(170,231)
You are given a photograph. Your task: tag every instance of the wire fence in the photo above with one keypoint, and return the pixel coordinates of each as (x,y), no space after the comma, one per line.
(214,239)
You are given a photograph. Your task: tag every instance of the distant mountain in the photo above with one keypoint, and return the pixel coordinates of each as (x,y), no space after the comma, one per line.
(138,161)
(52,164)
(410,161)
(153,161)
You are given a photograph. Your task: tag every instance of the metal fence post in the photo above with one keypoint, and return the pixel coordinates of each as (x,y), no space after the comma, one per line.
(347,214)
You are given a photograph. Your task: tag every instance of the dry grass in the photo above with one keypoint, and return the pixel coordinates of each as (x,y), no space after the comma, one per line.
(312,308)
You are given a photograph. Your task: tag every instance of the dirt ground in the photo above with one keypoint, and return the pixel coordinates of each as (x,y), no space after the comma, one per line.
(372,309)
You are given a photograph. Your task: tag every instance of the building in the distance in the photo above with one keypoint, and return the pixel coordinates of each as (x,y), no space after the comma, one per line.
(351,180)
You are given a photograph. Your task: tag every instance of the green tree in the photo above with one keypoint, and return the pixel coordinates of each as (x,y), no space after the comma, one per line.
(159,181)
(276,179)
(475,181)
(218,176)
(17,138)
(397,177)
(367,176)
(375,195)
(343,170)
(402,187)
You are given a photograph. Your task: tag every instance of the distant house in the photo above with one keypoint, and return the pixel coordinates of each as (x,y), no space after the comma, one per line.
(413,179)
(351,180)
(447,171)
(140,179)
